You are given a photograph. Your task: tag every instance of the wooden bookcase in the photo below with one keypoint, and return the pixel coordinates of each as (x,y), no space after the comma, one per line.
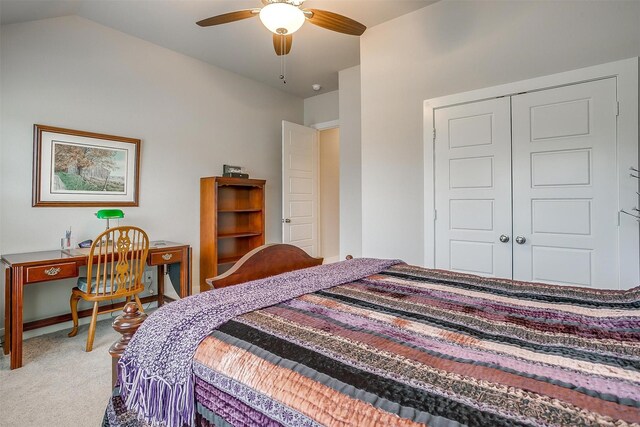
(231,222)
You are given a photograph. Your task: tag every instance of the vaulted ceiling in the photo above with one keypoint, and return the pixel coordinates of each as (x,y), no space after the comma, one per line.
(243,47)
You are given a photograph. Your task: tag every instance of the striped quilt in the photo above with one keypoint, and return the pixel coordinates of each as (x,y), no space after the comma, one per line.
(412,346)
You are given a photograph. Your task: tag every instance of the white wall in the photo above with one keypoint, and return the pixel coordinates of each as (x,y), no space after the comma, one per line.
(321,108)
(191,117)
(329,143)
(451,47)
(350,163)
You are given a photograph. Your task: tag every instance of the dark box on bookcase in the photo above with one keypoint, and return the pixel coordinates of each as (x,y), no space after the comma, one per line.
(236,175)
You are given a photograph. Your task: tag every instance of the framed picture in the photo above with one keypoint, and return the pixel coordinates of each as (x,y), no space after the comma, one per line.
(226,169)
(77,168)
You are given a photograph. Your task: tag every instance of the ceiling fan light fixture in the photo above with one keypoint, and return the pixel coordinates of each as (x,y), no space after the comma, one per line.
(282,18)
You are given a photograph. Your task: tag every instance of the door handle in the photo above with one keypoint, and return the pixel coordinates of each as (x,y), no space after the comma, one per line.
(504,238)
(286,220)
(520,240)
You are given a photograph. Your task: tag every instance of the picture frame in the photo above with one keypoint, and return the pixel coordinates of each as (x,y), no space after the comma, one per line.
(228,169)
(73,168)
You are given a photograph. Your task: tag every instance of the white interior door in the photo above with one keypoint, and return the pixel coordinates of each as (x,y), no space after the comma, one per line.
(565,194)
(300,187)
(473,188)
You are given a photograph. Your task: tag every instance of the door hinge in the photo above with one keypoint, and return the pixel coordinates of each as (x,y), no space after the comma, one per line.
(617,109)
(435,214)
(434,135)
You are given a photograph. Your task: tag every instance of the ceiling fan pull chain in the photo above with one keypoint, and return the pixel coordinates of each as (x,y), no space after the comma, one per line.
(281,61)
(283,64)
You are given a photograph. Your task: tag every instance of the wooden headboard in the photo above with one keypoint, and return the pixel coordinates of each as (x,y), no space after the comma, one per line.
(265,261)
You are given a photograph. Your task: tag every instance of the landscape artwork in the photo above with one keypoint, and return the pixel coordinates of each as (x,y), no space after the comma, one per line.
(80,168)
(87,169)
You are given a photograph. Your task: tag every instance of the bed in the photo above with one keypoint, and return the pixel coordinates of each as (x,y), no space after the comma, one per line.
(372,342)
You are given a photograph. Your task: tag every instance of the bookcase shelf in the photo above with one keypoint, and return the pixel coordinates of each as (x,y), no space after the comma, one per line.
(238,210)
(231,222)
(229,260)
(238,235)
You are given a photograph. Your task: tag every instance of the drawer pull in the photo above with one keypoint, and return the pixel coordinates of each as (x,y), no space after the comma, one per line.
(52,271)
(167,257)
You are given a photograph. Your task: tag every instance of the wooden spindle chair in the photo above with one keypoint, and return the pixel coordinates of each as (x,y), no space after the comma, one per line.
(117,256)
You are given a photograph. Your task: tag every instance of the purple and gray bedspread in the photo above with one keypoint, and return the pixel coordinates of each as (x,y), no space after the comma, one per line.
(403,346)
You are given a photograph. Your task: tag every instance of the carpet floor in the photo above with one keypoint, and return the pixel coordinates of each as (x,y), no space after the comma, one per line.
(59,384)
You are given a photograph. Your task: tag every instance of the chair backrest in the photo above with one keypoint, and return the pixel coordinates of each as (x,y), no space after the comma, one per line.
(118,256)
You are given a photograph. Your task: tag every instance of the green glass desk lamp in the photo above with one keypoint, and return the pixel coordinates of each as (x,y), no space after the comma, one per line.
(109,214)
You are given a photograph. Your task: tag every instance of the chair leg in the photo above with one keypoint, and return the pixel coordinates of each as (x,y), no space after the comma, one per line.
(74,314)
(92,327)
(140,308)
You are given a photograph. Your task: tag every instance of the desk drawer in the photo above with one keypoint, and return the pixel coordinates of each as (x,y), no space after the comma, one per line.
(165,257)
(51,272)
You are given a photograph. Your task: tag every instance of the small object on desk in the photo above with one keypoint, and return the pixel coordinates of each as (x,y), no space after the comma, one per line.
(67,242)
(85,243)
(158,243)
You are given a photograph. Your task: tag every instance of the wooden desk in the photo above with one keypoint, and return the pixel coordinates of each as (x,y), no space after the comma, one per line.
(36,267)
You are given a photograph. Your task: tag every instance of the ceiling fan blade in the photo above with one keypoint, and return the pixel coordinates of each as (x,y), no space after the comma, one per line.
(282,48)
(228,17)
(335,22)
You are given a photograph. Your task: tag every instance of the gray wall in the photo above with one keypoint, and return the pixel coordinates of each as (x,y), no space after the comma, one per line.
(344,105)
(321,108)
(451,47)
(191,117)
(329,149)
(350,163)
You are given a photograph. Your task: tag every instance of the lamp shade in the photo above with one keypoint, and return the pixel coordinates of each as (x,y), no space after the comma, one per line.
(282,18)
(109,214)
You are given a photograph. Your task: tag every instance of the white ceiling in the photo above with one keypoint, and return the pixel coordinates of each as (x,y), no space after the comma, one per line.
(244,47)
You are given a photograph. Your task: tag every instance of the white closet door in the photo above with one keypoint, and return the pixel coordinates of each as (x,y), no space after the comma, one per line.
(473,188)
(564,185)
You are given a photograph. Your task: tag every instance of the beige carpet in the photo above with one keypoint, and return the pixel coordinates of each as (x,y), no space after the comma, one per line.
(59,384)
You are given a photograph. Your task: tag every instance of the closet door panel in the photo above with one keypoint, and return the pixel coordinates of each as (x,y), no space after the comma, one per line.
(473,188)
(565,186)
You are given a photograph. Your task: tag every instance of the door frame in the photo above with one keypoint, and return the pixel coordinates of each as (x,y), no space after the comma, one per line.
(626,73)
(331,124)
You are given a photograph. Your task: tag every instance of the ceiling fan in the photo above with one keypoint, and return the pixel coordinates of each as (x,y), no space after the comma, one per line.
(284,17)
